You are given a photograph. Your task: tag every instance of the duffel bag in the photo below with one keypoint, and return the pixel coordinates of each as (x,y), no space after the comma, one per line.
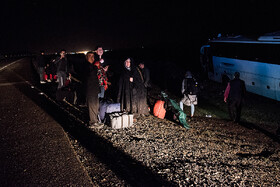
(159,110)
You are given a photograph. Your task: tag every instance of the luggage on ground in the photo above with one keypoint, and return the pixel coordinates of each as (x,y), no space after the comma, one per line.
(113,107)
(120,120)
(159,110)
(107,107)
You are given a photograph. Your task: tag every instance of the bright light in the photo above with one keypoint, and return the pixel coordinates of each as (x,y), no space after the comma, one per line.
(85,52)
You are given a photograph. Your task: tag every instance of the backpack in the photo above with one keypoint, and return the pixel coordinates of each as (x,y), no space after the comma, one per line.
(159,110)
(190,86)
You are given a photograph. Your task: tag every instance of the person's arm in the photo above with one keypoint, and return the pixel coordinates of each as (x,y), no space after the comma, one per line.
(183,87)
(147,77)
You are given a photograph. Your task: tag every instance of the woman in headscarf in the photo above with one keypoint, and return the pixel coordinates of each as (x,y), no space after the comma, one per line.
(126,86)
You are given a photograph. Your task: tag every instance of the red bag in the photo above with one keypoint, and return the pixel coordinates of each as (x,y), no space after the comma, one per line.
(159,110)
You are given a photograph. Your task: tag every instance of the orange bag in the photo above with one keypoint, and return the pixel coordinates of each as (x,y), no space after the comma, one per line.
(159,110)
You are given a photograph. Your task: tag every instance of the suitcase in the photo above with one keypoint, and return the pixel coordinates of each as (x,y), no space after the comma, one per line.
(159,110)
(102,109)
(113,107)
(119,120)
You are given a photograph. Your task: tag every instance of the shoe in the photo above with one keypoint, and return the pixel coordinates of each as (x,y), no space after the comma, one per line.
(42,82)
(82,105)
(48,80)
(96,126)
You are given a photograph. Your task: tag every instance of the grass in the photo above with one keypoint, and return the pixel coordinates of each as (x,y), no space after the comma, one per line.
(257,110)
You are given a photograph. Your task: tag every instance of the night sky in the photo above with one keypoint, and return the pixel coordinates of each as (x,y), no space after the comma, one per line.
(33,25)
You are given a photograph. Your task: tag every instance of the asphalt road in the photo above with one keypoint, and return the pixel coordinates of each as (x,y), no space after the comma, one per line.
(35,150)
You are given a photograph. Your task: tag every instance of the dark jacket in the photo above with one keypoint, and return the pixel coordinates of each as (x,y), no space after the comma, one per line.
(62,64)
(125,90)
(146,75)
(41,60)
(237,89)
(91,79)
(140,94)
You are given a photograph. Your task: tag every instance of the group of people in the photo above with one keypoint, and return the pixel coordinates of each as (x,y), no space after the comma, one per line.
(234,95)
(58,69)
(132,85)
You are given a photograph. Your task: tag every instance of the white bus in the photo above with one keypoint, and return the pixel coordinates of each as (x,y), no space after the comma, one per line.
(257,60)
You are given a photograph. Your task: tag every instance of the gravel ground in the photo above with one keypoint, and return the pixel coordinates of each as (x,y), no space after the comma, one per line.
(213,152)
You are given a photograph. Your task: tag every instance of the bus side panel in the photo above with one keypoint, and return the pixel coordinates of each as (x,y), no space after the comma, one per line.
(260,78)
(261,85)
(277,89)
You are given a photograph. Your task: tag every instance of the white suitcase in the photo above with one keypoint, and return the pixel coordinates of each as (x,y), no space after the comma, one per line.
(120,120)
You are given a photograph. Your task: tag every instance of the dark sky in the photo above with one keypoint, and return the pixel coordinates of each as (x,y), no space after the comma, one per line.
(81,25)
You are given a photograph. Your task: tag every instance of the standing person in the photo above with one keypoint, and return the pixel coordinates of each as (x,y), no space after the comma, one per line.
(41,60)
(102,77)
(141,81)
(126,85)
(189,90)
(234,97)
(146,74)
(62,68)
(92,89)
(102,67)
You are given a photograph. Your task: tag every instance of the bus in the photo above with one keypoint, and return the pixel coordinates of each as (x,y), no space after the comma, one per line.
(257,60)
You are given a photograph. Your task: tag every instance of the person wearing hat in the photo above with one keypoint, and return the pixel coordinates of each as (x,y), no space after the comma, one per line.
(234,97)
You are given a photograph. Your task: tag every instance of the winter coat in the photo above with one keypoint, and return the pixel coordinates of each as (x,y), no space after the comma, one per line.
(146,75)
(140,96)
(62,64)
(235,90)
(125,91)
(91,79)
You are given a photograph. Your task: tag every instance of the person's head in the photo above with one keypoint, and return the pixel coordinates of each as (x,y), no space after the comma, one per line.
(236,75)
(62,53)
(99,50)
(90,57)
(142,65)
(188,74)
(127,63)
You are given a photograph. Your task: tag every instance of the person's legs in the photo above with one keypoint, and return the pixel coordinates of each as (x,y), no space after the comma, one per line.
(182,105)
(238,111)
(61,76)
(93,107)
(192,110)
(102,92)
(41,73)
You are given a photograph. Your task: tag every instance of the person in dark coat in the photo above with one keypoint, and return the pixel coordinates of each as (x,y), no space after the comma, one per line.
(41,60)
(125,93)
(234,97)
(141,82)
(92,89)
